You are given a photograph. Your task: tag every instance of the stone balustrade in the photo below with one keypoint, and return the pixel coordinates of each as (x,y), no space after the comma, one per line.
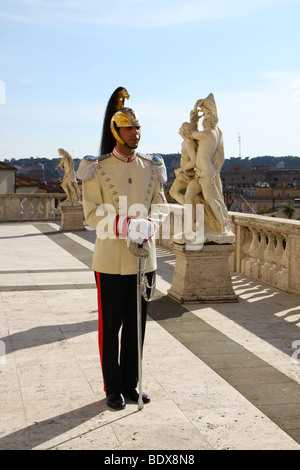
(18,207)
(266,248)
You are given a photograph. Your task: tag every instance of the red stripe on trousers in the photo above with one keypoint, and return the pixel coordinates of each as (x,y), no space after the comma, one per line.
(100,323)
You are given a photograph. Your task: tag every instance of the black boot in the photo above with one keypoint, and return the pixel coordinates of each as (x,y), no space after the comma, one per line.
(133,395)
(115,401)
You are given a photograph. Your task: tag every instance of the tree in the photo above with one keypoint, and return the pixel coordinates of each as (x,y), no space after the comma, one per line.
(261,210)
(289,209)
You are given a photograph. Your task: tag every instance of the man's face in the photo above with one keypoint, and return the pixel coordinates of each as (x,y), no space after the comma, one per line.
(130,135)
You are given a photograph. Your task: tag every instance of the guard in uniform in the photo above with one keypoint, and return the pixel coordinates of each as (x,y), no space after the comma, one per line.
(123,200)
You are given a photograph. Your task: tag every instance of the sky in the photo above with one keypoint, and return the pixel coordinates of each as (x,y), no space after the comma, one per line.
(60,61)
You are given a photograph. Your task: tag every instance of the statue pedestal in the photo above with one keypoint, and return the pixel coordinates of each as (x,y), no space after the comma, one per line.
(71,216)
(202,275)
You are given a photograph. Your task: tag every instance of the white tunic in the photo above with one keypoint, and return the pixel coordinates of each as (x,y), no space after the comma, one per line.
(115,189)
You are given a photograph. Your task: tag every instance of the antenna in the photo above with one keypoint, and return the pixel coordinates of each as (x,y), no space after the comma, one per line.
(239,139)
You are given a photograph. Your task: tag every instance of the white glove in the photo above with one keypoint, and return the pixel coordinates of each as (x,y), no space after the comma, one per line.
(139,230)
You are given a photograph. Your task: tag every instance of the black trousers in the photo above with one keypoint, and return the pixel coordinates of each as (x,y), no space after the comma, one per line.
(117,309)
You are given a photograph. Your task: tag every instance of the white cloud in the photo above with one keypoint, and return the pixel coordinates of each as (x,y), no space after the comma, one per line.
(138,13)
(25,81)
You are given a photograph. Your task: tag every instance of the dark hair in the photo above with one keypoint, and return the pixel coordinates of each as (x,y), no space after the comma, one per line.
(108,141)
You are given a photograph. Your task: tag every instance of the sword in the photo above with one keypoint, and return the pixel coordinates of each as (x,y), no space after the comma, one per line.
(141,253)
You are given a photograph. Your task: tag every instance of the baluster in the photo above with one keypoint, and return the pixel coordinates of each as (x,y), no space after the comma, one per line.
(257,266)
(278,253)
(30,213)
(252,251)
(2,211)
(283,273)
(245,240)
(51,208)
(39,208)
(269,259)
(44,207)
(22,202)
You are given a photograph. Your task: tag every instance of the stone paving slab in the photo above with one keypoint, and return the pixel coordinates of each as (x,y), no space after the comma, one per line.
(51,387)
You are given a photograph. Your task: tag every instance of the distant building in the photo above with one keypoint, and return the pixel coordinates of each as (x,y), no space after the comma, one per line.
(11,182)
(262,199)
(260,189)
(25,184)
(35,171)
(238,178)
(7,178)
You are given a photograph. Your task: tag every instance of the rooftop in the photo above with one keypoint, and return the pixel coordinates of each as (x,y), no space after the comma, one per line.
(49,186)
(7,166)
(220,376)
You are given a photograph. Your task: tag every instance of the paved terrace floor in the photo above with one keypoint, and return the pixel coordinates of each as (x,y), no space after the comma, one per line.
(220,376)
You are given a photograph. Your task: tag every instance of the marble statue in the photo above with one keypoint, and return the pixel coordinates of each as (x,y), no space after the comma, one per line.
(69,183)
(198,179)
(186,173)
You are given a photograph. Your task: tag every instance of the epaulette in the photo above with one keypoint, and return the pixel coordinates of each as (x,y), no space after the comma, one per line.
(91,159)
(157,164)
(88,165)
(154,158)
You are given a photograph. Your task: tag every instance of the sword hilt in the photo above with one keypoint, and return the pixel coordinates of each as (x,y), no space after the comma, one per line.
(139,250)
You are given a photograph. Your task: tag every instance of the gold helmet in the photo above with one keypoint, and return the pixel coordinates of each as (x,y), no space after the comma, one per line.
(125,117)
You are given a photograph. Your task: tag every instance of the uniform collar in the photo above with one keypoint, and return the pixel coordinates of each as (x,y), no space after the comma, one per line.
(124,158)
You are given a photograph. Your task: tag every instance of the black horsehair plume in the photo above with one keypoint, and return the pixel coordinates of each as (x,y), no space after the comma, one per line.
(115,103)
